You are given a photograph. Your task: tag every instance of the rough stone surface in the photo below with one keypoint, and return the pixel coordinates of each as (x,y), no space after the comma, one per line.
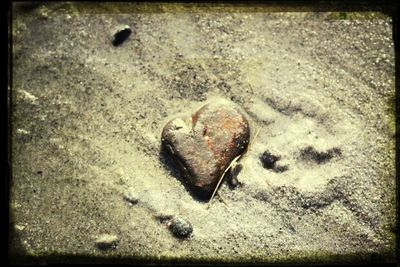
(204,145)
(181,228)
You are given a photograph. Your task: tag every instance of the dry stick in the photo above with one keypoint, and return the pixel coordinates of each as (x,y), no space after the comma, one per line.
(220,179)
(251,88)
(233,162)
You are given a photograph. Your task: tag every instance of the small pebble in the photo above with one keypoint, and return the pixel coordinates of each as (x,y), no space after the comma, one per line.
(131,198)
(180,227)
(106,241)
(121,35)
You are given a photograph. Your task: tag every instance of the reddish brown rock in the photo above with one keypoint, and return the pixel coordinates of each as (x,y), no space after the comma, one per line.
(204,144)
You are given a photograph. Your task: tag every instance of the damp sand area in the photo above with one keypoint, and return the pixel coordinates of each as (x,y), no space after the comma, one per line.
(94,85)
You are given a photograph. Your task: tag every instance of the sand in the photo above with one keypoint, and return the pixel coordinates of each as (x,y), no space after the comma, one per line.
(86,130)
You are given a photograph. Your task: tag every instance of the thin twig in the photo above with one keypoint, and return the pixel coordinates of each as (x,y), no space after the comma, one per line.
(251,88)
(222,177)
(233,163)
(254,138)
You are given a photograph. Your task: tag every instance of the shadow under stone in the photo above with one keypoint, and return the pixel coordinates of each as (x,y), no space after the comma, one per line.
(173,165)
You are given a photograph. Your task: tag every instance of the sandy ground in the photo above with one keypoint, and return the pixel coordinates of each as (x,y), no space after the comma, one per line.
(87,121)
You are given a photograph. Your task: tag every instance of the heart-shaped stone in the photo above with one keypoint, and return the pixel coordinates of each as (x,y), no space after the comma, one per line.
(204,144)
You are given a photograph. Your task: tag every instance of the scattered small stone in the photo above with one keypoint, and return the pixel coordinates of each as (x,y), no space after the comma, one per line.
(180,227)
(44,13)
(204,144)
(23,95)
(131,198)
(121,35)
(19,227)
(106,241)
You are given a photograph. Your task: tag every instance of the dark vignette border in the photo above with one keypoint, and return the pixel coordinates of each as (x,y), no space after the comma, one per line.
(387,7)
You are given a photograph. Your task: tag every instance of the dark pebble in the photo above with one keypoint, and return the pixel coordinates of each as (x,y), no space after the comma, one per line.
(121,35)
(180,227)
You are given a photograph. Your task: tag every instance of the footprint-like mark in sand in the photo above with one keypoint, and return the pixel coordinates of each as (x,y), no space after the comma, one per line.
(302,159)
(307,154)
(270,161)
(310,154)
(300,142)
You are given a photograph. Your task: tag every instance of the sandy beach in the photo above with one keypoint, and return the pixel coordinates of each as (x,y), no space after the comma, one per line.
(87,118)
